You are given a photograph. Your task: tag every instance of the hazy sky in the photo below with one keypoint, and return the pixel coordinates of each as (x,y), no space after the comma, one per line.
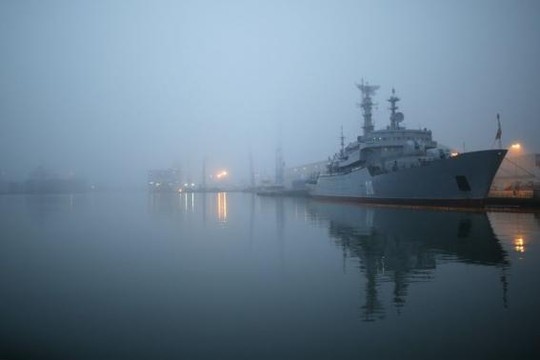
(109,89)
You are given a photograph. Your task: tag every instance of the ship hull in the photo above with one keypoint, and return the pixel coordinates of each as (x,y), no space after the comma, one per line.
(463,180)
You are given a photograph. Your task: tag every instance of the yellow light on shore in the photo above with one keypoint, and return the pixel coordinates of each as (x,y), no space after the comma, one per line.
(515,146)
(222,174)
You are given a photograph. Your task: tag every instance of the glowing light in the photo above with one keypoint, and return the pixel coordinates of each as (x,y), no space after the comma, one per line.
(516,146)
(519,244)
(222,174)
(454,154)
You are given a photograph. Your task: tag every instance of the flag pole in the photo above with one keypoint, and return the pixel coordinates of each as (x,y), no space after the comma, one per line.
(498,136)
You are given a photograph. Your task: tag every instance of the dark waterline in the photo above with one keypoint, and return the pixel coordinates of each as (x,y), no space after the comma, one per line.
(209,276)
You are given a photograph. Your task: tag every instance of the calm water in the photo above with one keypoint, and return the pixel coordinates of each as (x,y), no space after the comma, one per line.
(217,276)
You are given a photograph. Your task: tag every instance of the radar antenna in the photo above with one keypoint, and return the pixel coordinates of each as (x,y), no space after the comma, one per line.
(395,116)
(367,105)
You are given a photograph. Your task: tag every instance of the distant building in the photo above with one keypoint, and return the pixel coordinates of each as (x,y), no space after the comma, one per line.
(165,180)
(44,181)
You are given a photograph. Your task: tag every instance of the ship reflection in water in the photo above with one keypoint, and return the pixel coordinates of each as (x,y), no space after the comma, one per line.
(405,246)
(234,275)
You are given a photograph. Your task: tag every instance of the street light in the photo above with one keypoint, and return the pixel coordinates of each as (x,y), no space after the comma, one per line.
(516,149)
(222,174)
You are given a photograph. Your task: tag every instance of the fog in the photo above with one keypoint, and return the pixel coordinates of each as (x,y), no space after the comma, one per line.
(110,89)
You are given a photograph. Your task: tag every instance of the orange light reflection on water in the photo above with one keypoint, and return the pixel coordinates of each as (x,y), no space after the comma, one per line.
(519,244)
(222,206)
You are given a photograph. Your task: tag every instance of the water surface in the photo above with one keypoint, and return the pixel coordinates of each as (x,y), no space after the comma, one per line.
(232,275)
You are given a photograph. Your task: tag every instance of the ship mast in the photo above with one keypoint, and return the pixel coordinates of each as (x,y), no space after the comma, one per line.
(367,105)
(251,170)
(280,164)
(280,167)
(342,143)
(395,117)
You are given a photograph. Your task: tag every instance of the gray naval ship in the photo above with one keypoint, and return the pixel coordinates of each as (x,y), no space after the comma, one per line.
(399,165)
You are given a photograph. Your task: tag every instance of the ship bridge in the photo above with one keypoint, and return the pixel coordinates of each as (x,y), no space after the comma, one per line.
(399,138)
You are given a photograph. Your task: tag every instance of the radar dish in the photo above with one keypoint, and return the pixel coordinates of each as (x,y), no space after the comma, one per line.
(399,117)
